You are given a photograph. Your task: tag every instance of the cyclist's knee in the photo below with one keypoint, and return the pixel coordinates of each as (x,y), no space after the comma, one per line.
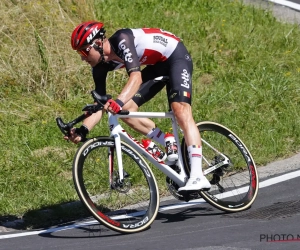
(181,109)
(128,121)
(182,112)
(130,106)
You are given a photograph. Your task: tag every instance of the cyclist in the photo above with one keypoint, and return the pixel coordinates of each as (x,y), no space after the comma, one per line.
(164,55)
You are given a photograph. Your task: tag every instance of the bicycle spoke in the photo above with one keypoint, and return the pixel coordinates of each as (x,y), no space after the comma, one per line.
(128,205)
(229,167)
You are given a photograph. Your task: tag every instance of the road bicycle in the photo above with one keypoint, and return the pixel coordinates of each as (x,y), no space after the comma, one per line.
(113,179)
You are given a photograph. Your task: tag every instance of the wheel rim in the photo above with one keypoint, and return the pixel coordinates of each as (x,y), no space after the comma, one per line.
(234,185)
(124,207)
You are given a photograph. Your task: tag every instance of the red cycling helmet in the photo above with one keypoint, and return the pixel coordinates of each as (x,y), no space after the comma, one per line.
(85,33)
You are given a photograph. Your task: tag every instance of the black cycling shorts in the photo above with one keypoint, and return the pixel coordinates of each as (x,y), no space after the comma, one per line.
(178,67)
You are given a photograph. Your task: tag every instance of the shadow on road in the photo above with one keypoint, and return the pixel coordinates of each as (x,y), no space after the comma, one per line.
(180,214)
(45,217)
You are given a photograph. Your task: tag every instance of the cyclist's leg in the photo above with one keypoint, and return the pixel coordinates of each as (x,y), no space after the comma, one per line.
(179,96)
(147,91)
(141,125)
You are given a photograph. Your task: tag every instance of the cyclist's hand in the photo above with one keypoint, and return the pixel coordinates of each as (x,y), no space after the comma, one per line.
(77,134)
(73,137)
(112,106)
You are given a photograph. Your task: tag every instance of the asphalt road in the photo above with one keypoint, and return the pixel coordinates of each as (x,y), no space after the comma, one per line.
(295,1)
(271,223)
(281,11)
(292,1)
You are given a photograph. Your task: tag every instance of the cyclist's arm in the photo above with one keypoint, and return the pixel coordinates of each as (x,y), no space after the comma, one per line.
(122,43)
(131,87)
(99,75)
(91,121)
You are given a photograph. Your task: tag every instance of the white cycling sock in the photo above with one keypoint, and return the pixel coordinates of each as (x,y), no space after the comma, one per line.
(195,154)
(157,135)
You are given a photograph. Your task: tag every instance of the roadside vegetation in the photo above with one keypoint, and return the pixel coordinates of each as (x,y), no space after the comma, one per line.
(246,73)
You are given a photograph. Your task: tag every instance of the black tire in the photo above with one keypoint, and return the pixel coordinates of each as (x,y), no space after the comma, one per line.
(234,185)
(127,207)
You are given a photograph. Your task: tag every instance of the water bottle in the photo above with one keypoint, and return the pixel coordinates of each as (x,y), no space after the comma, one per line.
(154,149)
(171,147)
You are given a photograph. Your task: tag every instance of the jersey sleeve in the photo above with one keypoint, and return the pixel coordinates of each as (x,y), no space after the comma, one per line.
(99,75)
(122,43)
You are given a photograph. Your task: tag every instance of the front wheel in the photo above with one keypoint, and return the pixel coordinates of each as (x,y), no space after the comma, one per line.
(228,165)
(126,206)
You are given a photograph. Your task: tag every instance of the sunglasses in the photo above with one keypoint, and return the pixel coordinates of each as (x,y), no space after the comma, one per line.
(85,52)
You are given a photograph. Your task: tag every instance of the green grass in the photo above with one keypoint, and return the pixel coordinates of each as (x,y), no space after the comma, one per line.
(245,76)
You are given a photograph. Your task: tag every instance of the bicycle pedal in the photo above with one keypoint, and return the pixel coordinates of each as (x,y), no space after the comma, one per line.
(185,195)
(189,194)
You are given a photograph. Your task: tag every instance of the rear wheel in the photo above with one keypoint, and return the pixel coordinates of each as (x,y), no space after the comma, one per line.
(126,206)
(228,165)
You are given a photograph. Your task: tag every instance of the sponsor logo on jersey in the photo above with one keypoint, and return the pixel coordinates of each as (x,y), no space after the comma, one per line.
(126,51)
(143,59)
(173,95)
(187,57)
(186,79)
(186,94)
(160,39)
(133,69)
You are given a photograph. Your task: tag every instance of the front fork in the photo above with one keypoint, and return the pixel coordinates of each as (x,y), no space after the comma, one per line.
(111,153)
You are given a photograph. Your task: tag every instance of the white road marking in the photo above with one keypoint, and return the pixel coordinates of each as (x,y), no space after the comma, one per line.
(266,183)
(287,4)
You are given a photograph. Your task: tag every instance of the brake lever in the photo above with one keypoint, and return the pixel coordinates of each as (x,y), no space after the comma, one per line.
(100,99)
(65,128)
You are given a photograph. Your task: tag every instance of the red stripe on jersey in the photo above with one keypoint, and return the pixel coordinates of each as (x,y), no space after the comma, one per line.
(151,57)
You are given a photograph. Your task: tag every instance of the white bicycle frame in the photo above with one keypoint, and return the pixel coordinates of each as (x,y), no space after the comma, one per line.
(118,133)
